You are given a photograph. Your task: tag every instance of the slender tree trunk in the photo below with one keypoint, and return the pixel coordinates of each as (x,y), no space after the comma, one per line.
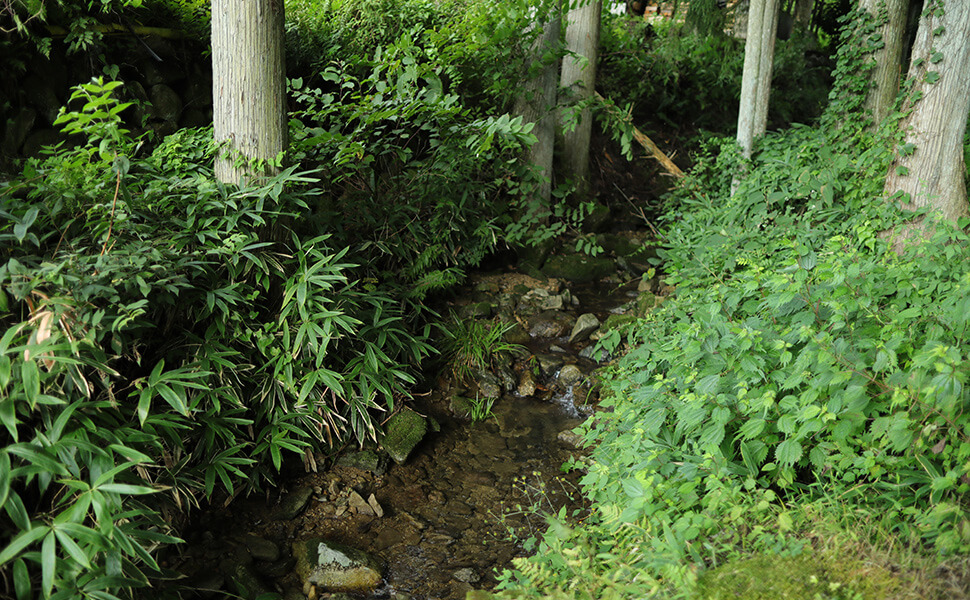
(248,94)
(537,103)
(932,174)
(888,58)
(803,13)
(756,79)
(579,76)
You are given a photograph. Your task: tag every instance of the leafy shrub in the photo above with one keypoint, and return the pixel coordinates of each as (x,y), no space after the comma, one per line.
(408,164)
(166,340)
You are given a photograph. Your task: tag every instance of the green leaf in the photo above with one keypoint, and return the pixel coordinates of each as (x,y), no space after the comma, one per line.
(75,551)
(48,562)
(752,428)
(21,580)
(20,542)
(788,452)
(31,380)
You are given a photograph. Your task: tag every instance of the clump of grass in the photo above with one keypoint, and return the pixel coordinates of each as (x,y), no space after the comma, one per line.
(472,345)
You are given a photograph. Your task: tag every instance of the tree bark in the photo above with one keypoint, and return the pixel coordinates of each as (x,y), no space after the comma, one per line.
(888,58)
(248,93)
(932,174)
(579,76)
(802,16)
(759,54)
(537,104)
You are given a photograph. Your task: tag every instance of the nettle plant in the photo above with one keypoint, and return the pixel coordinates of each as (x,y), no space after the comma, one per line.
(164,341)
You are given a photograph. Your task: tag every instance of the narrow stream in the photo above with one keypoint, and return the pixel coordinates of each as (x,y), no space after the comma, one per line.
(444,522)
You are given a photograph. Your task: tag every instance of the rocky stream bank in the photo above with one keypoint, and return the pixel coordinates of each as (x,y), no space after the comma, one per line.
(445,501)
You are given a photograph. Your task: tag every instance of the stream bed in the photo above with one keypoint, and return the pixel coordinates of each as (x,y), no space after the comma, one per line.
(457,511)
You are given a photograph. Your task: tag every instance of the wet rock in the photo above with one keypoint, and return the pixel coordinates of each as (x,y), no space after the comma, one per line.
(261,548)
(467,575)
(619,245)
(585,325)
(578,268)
(244,580)
(592,353)
(477,310)
(517,335)
(375,506)
(403,432)
(166,104)
(550,363)
(488,384)
(364,460)
(335,567)
(570,439)
(527,383)
(293,504)
(549,324)
(570,375)
(461,407)
(507,378)
(360,506)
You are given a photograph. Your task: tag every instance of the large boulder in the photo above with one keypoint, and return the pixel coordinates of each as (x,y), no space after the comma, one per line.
(403,432)
(335,567)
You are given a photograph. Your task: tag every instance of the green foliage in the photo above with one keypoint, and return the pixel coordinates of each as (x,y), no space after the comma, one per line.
(408,163)
(669,72)
(165,340)
(471,345)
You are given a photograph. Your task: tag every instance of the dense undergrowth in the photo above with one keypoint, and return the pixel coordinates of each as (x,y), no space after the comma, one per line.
(796,410)
(168,341)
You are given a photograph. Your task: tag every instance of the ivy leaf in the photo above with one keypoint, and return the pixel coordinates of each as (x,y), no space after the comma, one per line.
(936,57)
(932,76)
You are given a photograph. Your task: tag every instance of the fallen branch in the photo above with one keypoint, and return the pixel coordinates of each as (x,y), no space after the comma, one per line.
(644,141)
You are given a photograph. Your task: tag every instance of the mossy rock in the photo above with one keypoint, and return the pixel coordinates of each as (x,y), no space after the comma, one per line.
(615,321)
(461,407)
(598,219)
(402,433)
(579,268)
(617,244)
(535,256)
(644,303)
(803,577)
(335,567)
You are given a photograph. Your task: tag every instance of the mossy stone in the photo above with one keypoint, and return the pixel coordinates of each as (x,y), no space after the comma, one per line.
(614,321)
(402,433)
(335,567)
(617,244)
(579,268)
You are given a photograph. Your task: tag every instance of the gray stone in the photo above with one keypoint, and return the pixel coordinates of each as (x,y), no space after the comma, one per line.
(375,506)
(506,377)
(592,353)
(550,363)
(293,504)
(570,375)
(166,104)
(402,433)
(359,505)
(467,575)
(585,325)
(550,324)
(527,383)
(335,567)
(261,549)
(578,268)
(570,439)
(488,384)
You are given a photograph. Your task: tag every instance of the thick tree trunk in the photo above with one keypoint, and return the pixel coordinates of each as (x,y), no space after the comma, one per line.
(537,103)
(932,174)
(888,58)
(248,94)
(759,51)
(579,76)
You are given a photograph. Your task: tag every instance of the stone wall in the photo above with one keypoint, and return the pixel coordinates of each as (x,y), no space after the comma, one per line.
(169,80)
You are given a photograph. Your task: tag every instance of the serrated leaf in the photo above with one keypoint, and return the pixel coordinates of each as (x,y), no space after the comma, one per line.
(788,452)
(752,428)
